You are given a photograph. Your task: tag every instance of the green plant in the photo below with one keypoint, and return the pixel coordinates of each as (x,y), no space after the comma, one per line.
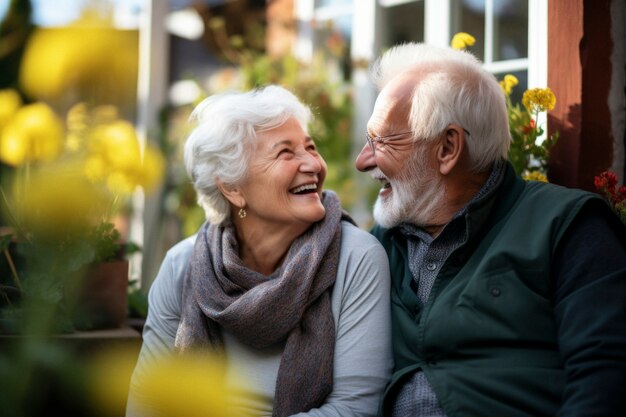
(108,245)
(529,152)
(69,181)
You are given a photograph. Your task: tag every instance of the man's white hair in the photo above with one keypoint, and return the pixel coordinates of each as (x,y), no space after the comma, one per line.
(221,145)
(451,86)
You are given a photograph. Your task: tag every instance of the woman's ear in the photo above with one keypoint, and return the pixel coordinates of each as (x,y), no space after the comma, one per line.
(232,193)
(450,149)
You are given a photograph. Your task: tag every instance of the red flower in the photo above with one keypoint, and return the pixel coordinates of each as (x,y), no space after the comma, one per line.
(600,182)
(605,183)
(531,125)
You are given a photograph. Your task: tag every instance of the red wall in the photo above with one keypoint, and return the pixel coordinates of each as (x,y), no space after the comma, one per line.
(579,73)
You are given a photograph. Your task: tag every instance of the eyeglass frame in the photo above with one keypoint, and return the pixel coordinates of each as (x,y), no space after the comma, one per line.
(371,141)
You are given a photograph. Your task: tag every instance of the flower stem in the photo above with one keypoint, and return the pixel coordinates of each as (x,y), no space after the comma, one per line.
(16,278)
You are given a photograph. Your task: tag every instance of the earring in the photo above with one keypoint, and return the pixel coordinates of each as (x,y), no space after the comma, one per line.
(242,213)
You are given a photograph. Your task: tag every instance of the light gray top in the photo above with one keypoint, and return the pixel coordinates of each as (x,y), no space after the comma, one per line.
(360,306)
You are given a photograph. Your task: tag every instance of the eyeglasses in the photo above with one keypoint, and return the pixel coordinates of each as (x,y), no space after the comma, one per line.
(372,141)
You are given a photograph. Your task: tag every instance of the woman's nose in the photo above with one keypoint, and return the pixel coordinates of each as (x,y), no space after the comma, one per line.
(310,163)
(365,160)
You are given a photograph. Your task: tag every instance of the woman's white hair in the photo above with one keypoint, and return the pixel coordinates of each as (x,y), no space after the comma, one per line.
(221,145)
(451,87)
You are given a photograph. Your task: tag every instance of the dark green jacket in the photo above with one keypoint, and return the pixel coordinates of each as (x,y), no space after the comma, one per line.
(487,339)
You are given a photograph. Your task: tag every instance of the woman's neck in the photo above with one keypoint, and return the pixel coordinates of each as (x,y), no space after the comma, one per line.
(263,250)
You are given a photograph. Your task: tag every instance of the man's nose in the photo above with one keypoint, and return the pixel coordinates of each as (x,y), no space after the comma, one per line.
(365,160)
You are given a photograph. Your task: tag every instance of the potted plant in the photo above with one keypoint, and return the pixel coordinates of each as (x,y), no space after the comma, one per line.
(70,180)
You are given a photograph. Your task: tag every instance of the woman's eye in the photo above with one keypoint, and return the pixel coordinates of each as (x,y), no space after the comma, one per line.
(284,152)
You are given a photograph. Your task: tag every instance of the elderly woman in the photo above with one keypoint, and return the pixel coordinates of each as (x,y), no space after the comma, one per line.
(279,279)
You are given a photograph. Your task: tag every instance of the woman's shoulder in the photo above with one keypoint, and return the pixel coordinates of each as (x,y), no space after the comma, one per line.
(362,257)
(174,266)
(182,250)
(356,239)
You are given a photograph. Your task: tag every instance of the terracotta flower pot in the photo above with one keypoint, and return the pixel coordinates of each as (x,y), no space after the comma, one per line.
(103,298)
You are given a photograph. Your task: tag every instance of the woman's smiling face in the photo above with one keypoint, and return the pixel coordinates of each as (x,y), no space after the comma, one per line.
(285,179)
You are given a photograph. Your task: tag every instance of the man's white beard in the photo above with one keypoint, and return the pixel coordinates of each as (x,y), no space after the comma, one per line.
(416,197)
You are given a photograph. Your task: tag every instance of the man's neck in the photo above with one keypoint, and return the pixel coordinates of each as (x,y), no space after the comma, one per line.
(459,190)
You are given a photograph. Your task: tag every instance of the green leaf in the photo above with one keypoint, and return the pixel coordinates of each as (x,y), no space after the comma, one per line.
(5,241)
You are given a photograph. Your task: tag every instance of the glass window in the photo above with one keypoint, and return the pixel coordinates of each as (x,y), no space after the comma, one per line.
(469,16)
(324,3)
(402,23)
(510,40)
(499,25)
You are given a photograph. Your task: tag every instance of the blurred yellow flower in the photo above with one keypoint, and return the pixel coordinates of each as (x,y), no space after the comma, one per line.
(181,385)
(77,122)
(79,64)
(35,133)
(237,41)
(57,201)
(10,101)
(216,23)
(538,99)
(115,159)
(508,83)
(152,169)
(462,40)
(117,144)
(535,176)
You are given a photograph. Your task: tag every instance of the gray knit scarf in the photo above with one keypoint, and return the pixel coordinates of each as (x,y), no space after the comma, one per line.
(291,305)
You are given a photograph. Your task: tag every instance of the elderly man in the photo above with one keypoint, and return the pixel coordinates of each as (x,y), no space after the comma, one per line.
(508,297)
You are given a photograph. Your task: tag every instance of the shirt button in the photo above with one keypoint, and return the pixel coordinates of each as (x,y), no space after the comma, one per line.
(495,291)
(431,266)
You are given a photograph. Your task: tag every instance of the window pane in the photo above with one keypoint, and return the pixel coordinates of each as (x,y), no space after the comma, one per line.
(510,29)
(469,16)
(323,3)
(402,23)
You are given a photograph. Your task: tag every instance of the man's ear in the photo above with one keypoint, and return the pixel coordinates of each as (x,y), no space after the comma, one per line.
(450,149)
(232,193)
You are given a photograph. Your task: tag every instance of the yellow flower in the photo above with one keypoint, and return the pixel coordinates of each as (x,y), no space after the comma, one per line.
(114,152)
(117,143)
(216,23)
(152,169)
(115,159)
(539,99)
(508,83)
(60,64)
(56,201)
(180,385)
(462,40)
(10,101)
(34,134)
(236,41)
(77,123)
(535,176)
